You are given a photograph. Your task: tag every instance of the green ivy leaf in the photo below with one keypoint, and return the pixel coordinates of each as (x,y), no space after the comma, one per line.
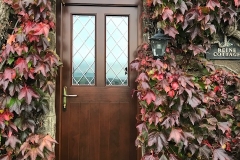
(10,60)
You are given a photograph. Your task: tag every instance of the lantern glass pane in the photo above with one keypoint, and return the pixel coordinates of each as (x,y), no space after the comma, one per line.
(164,45)
(159,47)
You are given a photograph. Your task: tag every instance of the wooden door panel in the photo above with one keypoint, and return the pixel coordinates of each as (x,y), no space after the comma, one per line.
(98,124)
(111,136)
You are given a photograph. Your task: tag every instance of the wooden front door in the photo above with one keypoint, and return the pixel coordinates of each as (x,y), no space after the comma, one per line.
(98,117)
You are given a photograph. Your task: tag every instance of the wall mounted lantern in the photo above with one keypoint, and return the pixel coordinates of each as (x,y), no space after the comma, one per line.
(159,43)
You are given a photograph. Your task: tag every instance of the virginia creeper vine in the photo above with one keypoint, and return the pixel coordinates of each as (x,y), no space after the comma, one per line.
(27,74)
(189,110)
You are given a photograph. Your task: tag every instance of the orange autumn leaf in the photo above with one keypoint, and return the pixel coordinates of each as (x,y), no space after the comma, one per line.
(149,2)
(11,38)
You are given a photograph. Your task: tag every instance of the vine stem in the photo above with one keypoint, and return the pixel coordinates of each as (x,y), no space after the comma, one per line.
(15,26)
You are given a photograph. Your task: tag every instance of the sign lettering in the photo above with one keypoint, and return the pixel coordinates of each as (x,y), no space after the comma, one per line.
(231,52)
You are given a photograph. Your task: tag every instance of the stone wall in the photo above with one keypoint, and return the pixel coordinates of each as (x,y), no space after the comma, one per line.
(49,120)
(232,65)
(4,19)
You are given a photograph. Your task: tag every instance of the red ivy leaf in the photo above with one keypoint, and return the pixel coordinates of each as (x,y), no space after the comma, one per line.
(15,105)
(6,157)
(211,27)
(21,65)
(33,138)
(8,2)
(141,127)
(20,37)
(145,85)
(12,141)
(197,49)
(26,2)
(43,44)
(171,120)
(9,48)
(150,157)
(180,18)
(4,100)
(159,100)
(226,111)
(212,4)
(51,59)
(27,93)
(202,112)
(41,28)
(171,31)
(50,155)
(28,26)
(237,3)
(4,84)
(145,46)
(135,64)
(204,151)
(33,58)
(183,81)
(154,117)
(43,68)
(19,49)
(158,139)
(224,126)
(220,154)
(142,77)
(33,153)
(212,121)
(193,148)
(157,1)
(25,146)
(192,14)
(9,74)
(49,86)
(183,7)
(189,93)
(208,127)
(158,64)
(194,32)
(167,13)
(176,135)
(194,117)
(47,142)
(149,97)
(194,102)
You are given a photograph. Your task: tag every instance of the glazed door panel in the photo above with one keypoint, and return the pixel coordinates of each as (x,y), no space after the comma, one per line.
(97,45)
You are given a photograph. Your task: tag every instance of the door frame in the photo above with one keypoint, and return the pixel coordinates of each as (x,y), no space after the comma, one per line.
(59,88)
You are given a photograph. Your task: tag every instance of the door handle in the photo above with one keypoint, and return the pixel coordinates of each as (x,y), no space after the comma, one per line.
(65,95)
(69,95)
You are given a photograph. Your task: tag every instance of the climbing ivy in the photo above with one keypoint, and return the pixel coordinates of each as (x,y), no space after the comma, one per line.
(27,73)
(189,110)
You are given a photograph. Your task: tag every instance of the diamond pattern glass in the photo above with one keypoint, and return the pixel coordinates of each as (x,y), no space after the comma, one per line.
(83,50)
(116,50)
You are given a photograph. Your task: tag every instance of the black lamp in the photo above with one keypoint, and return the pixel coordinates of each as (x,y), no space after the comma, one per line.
(159,43)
